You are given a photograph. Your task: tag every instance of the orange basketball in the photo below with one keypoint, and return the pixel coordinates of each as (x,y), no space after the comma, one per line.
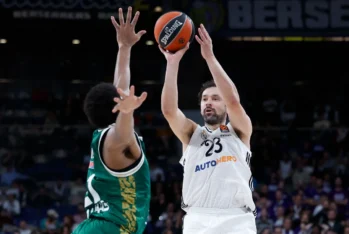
(173,30)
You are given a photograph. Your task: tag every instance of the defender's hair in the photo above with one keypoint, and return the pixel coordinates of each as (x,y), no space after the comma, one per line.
(99,103)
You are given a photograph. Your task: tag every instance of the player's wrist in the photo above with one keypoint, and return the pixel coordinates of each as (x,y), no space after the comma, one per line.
(173,62)
(123,47)
(128,112)
(210,58)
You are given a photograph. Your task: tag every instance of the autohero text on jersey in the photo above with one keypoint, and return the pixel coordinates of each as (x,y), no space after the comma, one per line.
(213,163)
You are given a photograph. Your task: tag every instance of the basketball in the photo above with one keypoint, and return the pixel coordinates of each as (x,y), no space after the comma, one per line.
(173,30)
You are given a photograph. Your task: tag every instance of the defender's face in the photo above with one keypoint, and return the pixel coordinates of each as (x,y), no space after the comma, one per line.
(213,109)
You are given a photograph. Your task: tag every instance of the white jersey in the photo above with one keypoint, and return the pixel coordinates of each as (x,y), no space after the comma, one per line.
(217,171)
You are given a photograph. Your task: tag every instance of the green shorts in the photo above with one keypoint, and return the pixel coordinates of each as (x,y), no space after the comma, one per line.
(95,226)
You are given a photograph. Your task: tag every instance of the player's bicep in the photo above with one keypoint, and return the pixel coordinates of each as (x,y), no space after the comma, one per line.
(116,139)
(182,127)
(240,121)
(114,149)
(135,148)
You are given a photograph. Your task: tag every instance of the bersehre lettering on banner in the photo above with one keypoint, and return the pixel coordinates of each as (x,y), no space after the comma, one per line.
(272,17)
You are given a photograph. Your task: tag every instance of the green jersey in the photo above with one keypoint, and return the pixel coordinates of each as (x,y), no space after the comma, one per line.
(121,197)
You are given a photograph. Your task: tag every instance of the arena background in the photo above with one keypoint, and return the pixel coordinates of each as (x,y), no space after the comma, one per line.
(289,60)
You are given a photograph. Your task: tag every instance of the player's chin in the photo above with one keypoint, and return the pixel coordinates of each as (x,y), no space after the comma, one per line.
(211,119)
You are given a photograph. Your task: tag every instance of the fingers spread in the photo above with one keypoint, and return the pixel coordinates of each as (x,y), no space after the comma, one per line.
(141,33)
(122,93)
(132,90)
(135,19)
(115,109)
(129,15)
(199,40)
(116,25)
(202,36)
(121,17)
(205,33)
(143,97)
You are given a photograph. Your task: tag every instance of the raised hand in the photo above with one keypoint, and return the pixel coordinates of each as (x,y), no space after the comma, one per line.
(128,102)
(205,42)
(174,57)
(125,30)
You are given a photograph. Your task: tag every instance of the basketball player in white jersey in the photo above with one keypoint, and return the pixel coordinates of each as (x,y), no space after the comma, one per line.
(217,186)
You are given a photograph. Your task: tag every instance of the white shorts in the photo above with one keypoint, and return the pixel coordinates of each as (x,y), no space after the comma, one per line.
(219,221)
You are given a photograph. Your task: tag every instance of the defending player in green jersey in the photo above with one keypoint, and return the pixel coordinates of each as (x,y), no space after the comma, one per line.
(118,181)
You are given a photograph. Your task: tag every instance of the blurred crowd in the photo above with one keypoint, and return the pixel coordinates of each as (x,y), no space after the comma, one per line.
(301,187)
(304,192)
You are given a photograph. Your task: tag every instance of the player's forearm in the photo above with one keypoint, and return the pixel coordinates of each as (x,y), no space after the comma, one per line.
(124,127)
(224,84)
(169,96)
(122,69)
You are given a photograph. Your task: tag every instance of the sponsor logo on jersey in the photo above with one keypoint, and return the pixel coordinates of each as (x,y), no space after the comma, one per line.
(92,165)
(225,135)
(204,135)
(213,163)
(98,207)
(224,128)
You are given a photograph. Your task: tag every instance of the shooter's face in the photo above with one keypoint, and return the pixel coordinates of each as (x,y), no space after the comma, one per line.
(213,109)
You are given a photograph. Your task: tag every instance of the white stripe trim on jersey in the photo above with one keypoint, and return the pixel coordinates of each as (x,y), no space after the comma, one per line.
(124,173)
(248,159)
(255,213)
(250,183)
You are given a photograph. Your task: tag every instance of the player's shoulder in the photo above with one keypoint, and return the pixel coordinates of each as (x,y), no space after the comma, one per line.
(97,131)
(198,127)
(200,133)
(100,131)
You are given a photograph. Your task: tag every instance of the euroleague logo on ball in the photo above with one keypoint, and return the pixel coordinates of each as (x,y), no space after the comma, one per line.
(181,40)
